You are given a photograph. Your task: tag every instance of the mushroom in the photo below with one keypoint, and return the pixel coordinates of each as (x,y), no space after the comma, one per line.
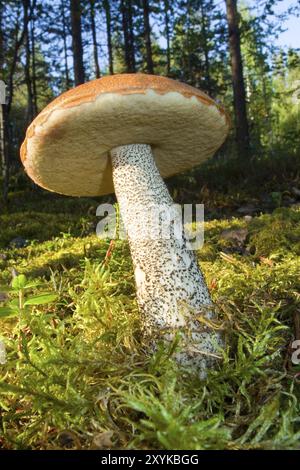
(125,133)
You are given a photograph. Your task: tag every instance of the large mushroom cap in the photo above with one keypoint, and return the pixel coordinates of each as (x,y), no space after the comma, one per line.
(67,146)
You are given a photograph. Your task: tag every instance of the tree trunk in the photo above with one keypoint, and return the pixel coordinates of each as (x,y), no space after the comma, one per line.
(147,35)
(188,69)
(28,80)
(3,148)
(3,118)
(4,152)
(127,26)
(64,26)
(131,35)
(18,43)
(205,49)
(167,30)
(33,78)
(3,158)
(125,35)
(1,39)
(94,35)
(108,34)
(239,93)
(5,109)
(77,48)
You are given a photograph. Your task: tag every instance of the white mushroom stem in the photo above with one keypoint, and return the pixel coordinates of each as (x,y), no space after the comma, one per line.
(171,291)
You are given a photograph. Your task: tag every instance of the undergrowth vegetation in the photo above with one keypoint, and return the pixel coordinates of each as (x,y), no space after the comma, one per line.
(77,373)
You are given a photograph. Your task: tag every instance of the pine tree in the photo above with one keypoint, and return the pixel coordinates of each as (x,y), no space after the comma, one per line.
(75,11)
(239,93)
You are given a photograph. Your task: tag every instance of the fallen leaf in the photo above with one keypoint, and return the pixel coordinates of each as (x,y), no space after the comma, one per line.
(3,296)
(238,235)
(102,440)
(266,261)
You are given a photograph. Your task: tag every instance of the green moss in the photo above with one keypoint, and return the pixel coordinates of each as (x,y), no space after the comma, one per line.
(276,233)
(81,365)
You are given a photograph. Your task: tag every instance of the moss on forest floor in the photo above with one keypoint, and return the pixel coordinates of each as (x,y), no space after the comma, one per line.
(76,374)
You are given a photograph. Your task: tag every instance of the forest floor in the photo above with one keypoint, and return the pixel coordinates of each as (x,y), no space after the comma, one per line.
(76,374)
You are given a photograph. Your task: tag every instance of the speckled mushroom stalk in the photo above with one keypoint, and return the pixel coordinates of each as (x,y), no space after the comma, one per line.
(171,291)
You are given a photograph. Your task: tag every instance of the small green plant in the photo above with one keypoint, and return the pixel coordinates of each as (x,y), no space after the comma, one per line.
(21,302)
(276,197)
